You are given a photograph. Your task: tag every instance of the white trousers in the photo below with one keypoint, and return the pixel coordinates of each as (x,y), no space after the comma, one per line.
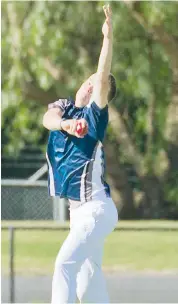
(77,270)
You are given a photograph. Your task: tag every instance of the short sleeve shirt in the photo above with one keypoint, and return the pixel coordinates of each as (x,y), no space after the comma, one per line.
(76,166)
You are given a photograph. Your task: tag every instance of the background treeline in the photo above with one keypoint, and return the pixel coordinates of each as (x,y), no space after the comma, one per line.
(50,47)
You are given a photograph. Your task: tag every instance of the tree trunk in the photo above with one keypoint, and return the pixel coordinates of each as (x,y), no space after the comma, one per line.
(153,197)
(171,133)
(152,200)
(119,181)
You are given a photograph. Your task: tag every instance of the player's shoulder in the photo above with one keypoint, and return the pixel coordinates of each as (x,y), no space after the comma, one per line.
(61,103)
(95,107)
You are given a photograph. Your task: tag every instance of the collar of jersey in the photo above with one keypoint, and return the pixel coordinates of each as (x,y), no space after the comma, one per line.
(73,102)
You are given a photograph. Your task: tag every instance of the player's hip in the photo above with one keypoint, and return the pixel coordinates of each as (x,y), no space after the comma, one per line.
(100,211)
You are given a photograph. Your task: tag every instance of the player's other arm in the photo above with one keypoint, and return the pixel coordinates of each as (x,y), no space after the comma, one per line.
(101,87)
(52,120)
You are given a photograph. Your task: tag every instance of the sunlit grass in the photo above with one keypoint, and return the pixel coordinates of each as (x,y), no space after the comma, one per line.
(35,250)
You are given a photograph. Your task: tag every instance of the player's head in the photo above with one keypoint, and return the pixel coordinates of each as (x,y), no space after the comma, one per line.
(112,88)
(84,93)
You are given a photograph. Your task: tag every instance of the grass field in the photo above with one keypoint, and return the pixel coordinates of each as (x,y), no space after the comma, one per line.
(35,250)
(121,224)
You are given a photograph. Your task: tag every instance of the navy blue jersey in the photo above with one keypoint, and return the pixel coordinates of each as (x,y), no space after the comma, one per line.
(76,165)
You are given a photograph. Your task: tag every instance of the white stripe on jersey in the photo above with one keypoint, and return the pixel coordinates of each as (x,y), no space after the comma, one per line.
(97,171)
(51,178)
(82,189)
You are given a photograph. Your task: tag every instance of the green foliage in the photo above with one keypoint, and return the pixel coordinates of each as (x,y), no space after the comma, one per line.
(72,40)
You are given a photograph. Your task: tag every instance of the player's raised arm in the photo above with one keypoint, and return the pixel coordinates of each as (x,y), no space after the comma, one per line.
(101,87)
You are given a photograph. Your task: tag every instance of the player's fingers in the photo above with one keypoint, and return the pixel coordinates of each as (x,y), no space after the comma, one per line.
(85,130)
(79,135)
(73,126)
(105,10)
(83,123)
(108,11)
(79,128)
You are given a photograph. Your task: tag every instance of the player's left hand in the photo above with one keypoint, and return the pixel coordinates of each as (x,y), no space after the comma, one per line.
(107,26)
(75,127)
(82,127)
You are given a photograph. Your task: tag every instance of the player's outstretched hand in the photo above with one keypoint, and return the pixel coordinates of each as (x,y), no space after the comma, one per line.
(107,26)
(76,127)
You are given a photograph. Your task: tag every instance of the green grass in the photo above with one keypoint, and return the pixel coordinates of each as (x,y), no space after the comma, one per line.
(35,250)
(142,250)
(121,224)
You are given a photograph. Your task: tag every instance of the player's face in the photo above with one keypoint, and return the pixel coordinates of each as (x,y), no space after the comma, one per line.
(84,93)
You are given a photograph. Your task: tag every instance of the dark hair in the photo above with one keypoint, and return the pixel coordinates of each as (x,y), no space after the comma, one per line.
(112,89)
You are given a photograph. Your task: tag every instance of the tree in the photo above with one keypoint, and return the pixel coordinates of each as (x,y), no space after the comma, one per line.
(49,49)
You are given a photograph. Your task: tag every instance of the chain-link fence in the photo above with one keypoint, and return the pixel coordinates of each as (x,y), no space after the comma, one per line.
(21,200)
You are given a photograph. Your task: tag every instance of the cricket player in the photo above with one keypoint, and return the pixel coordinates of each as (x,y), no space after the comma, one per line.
(76,166)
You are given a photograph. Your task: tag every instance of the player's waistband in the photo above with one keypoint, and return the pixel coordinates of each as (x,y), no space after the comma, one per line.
(75,204)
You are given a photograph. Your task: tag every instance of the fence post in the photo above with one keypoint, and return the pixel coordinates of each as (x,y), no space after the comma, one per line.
(11,266)
(62,208)
(59,209)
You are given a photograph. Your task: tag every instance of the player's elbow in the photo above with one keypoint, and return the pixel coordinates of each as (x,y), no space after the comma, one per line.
(45,121)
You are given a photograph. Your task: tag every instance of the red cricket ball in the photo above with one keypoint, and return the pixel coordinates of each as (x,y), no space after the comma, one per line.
(79,128)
